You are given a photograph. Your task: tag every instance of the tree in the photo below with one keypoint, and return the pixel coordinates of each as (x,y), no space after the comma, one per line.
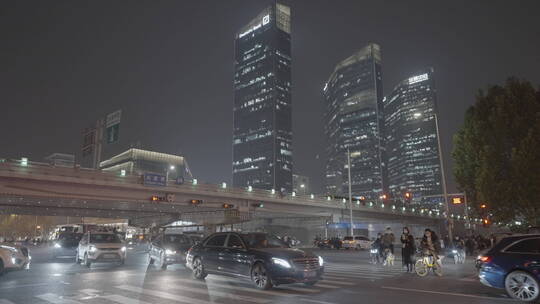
(497,153)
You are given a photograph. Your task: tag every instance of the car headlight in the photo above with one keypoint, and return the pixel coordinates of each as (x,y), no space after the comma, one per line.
(454,251)
(374,251)
(281,262)
(321,261)
(57,245)
(169,252)
(92,248)
(123,249)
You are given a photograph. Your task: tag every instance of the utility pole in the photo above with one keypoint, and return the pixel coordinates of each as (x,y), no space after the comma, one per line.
(350,190)
(448,219)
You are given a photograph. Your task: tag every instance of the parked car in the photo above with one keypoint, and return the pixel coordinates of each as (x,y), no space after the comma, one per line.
(356,242)
(66,244)
(13,257)
(167,249)
(96,247)
(513,264)
(262,258)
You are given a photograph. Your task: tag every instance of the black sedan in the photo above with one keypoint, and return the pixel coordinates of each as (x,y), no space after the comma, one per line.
(167,249)
(264,259)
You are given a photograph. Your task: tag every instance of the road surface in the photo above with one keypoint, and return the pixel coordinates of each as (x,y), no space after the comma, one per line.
(349,278)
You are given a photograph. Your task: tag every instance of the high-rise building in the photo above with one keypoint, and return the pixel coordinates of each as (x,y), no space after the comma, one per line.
(262,135)
(301,184)
(353,122)
(411,137)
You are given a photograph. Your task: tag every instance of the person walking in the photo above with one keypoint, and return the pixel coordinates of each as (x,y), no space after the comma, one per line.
(407,249)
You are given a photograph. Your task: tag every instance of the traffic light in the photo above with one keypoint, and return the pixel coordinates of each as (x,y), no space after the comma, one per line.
(155,198)
(483,206)
(228,206)
(195,202)
(383,197)
(408,197)
(485,222)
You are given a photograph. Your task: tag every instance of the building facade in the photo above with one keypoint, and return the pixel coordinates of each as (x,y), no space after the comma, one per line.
(353,121)
(301,184)
(411,138)
(137,162)
(262,131)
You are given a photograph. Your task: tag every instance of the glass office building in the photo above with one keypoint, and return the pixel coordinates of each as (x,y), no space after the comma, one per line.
(262,135)
(353,120)
(411,138)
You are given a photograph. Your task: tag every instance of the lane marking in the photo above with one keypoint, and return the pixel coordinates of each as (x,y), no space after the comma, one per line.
(327,286)
(124,300)
(55,299)
(210,283)
(164,295)
(24,285)
(337,282)
(209,292)
(445,293)
(5,301)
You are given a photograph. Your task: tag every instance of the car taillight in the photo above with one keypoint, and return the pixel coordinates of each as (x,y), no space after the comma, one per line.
(484,258)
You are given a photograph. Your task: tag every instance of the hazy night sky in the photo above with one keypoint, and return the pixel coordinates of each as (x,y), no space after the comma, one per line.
(169,66)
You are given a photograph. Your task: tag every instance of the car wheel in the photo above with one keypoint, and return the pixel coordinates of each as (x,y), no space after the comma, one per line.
(162,262)
(260,277)
(77,260)
(310,283)
(522,286)
(198,269)
(86,262)
(150,260)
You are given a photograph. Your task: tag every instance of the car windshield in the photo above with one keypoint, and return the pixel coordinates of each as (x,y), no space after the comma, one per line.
(262,240)
(104,238)
(176,239)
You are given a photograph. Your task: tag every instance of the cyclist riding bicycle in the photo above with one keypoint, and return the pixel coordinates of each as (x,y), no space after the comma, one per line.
(430,245)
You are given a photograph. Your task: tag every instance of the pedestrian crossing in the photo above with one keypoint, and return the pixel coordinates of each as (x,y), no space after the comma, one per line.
(220,290)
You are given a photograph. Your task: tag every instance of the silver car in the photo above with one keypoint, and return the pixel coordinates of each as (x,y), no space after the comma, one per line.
(100,247)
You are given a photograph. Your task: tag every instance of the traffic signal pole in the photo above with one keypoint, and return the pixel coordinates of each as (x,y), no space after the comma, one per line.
(443,175)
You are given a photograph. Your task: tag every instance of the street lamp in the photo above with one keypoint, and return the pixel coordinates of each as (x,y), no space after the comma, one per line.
(350,190)
(443,175)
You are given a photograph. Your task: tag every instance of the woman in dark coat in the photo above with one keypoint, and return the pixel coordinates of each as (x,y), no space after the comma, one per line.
(408,249)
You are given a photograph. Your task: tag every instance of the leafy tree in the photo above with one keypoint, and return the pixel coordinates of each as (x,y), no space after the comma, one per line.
(497,153)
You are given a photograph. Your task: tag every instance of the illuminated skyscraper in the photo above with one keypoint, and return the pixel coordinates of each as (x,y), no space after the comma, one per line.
(411,137)
(262,135)
(353,120)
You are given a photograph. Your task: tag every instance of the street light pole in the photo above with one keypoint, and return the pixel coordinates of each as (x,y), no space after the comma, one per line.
(443,175)
(350,190)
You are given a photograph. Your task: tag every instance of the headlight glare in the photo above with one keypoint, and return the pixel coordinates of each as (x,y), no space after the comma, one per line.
(281,262)
(92,248)
(321,261)
(123,249)
(57,245)
(169,252)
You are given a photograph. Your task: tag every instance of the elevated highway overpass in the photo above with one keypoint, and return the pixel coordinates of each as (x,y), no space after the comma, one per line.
(41,189)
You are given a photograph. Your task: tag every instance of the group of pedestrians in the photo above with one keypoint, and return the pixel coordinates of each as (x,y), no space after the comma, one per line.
(429,245)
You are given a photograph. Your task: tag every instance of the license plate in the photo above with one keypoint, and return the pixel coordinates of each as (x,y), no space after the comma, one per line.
(310,274)
(109,256)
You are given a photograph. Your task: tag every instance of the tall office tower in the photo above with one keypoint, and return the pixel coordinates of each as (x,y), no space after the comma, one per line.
(411,137)
(262,135)
(353,121)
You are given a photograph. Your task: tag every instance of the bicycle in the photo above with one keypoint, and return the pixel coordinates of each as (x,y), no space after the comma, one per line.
(427,262)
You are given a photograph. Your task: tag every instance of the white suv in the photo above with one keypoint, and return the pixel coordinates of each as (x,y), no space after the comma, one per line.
(100,247)
(13,257)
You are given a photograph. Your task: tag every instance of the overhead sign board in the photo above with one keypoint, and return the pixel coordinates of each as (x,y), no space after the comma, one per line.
(152,179)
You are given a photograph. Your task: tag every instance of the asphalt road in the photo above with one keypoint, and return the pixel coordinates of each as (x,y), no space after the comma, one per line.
(349,278)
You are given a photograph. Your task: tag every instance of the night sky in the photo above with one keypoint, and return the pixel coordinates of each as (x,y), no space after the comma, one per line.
(169,66)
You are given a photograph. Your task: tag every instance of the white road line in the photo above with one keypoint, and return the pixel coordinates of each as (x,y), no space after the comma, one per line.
(5,301)
(217,278)
(357,275)
(55,299)
(164,295)
(210,292)
(356,278)
(444,293)
(322,285)
(325,280)
(210,283)
(24,285)
(123,300)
